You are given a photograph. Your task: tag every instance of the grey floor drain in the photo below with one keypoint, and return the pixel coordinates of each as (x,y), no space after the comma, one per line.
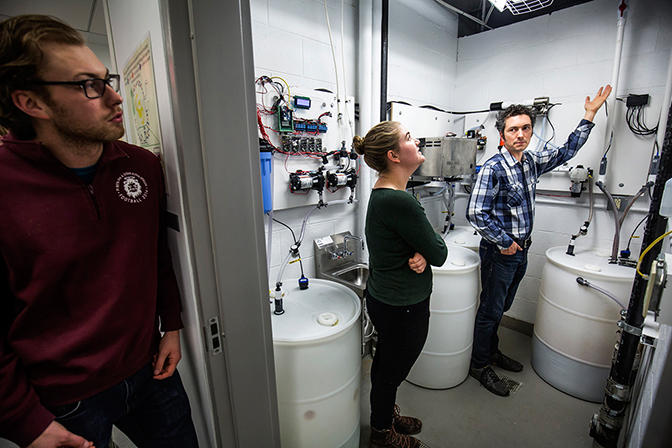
(510,384)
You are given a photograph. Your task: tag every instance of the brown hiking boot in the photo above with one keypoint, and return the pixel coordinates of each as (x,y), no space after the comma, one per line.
(406,425)
(392,439)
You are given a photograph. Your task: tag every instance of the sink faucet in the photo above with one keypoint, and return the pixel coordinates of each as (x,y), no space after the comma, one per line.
(346,238)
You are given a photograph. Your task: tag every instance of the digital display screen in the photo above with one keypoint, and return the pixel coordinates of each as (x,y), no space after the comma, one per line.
(302,102)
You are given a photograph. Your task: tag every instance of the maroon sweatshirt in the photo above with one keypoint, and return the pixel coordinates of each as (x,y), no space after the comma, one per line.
(85,276)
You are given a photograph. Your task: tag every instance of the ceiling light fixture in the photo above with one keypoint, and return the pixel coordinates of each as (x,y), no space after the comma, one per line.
(520,6)
(499,4)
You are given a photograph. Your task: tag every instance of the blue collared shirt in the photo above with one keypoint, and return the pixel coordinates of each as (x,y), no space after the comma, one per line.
(501,205)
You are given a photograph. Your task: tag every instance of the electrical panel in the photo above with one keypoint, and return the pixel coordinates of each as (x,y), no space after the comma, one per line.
(312,161)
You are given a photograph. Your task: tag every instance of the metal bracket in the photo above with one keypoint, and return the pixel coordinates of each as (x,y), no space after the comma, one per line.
(214,336)
(611,422)
(651,330)
(617,391)
(629,328)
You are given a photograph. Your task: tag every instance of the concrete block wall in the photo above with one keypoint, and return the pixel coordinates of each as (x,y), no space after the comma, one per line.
(291,40)
(423,54)
(566,56)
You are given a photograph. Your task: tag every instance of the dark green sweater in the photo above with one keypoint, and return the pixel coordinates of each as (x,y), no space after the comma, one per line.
(397,228)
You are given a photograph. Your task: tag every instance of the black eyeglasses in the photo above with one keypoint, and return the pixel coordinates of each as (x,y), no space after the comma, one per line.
(93,87)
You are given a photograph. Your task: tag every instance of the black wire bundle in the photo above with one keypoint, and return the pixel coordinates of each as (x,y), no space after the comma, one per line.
(635,119)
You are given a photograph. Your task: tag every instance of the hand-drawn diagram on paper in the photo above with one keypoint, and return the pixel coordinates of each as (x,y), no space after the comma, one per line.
(141,95)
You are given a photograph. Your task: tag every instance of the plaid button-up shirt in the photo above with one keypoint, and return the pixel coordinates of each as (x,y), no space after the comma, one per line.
(501,205)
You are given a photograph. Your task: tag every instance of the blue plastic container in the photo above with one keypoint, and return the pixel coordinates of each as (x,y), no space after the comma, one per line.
(266,159)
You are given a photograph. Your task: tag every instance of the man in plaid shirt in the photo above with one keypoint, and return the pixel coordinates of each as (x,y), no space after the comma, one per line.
(501,208)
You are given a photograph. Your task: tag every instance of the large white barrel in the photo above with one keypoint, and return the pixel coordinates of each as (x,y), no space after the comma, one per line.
(316,343)
(444,361)
(464,236)
(575,329)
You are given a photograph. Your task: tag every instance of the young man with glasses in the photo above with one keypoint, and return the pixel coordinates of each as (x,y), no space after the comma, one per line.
(89,307)
(501,208)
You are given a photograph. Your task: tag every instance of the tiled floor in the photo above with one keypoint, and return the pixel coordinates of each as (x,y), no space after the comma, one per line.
(468,416)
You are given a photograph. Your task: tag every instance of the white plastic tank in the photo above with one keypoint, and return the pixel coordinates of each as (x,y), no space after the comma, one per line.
(575,328)
(316,343)
(463,236)
(444,361)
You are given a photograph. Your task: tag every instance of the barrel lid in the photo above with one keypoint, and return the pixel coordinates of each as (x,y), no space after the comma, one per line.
(459,259)
(324,309)
(464,236)
(590,261)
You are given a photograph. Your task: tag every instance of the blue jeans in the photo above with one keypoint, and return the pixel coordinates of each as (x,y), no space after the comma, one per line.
(402,332)
(500,276)
(152,413)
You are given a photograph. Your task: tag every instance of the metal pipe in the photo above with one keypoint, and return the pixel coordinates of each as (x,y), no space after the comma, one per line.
(459,11)
(606,426)
(614,209)
(365,93)
(641,191)
(384,45)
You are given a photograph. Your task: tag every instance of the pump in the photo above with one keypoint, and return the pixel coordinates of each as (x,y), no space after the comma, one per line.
(578,176)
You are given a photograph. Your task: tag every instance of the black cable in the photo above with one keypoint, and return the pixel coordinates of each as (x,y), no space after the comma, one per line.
(295,242)
(290,229)
(611,139)
(634,117)
(636,227)
(427,106)
(552,127)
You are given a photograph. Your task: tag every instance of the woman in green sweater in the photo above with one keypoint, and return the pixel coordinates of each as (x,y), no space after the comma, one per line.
(402,244)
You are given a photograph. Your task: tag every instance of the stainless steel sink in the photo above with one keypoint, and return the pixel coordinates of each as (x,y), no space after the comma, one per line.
(340,261)
(353,276)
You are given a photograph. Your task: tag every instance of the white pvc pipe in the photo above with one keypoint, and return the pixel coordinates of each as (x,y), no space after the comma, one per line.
(665,108)
(616,68)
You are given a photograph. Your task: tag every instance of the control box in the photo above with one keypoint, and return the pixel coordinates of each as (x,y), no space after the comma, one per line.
(447,157)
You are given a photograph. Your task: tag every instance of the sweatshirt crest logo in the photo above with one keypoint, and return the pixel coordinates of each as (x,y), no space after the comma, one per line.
(132,187)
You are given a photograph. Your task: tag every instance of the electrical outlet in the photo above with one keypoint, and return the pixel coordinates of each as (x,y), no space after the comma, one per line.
(621,203)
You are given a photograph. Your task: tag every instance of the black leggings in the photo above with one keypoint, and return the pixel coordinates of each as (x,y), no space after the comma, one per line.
(402,332)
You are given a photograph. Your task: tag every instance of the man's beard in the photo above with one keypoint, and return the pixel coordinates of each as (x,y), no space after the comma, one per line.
(80,137)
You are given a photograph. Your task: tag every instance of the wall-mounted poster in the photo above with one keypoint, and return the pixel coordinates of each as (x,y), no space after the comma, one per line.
(141,94)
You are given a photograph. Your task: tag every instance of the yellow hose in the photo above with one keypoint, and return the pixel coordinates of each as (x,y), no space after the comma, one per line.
(641,257)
